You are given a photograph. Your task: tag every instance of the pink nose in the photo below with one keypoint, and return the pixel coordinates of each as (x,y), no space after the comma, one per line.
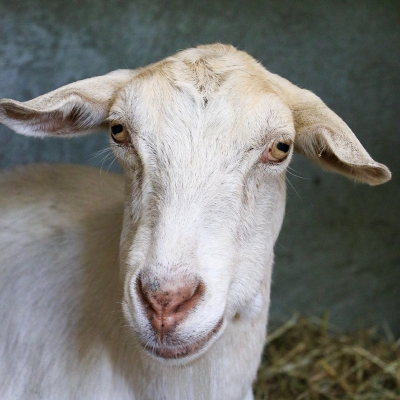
(166,308)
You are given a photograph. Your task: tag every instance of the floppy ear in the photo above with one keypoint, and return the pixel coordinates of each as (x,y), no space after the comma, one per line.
(70,110)
(324,137)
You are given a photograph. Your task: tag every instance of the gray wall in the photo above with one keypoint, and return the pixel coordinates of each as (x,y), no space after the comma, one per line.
(339,249)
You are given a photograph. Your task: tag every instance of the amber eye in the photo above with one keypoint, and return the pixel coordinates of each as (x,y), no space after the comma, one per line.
(276,151)
(119,133)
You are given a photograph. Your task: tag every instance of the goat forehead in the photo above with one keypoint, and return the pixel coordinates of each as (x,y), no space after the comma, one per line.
(201,113)
(207,69)
(177,102)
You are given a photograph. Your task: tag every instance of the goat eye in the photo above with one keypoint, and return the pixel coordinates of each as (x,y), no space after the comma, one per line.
(277,151)
(119,133)
(284,147)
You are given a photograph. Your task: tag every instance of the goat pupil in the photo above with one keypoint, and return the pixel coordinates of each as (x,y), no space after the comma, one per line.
(283,147)
(117,129)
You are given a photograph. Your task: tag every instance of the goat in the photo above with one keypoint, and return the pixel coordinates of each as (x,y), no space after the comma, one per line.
(158,288)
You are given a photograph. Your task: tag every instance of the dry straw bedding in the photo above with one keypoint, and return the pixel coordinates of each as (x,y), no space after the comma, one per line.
(305,359)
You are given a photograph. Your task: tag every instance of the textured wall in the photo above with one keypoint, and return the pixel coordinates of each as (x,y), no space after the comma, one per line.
(340,245)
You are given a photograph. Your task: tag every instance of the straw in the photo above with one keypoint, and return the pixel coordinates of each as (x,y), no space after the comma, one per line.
(308,359)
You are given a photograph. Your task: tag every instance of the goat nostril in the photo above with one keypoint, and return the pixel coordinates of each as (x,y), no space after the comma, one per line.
(144,295)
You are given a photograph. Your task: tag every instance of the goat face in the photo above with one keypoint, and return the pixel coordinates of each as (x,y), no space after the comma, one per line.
(205,199)
(205,138)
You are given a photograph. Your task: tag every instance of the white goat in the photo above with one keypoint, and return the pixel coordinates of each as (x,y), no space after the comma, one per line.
(205,138)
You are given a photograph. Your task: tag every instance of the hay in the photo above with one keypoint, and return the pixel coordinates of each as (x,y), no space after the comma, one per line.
(305,359)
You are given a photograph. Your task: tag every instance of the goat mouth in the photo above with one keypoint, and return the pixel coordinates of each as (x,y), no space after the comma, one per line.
(181,351)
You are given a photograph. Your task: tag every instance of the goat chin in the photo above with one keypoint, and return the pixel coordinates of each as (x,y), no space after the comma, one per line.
(184,241)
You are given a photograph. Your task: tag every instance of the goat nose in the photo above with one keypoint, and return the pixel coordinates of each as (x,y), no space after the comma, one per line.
(167,306)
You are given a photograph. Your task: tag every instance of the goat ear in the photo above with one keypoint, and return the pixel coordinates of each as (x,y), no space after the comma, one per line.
(324,137)
(70,110)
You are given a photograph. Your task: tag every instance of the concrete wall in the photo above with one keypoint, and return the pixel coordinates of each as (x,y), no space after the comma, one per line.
(339,249)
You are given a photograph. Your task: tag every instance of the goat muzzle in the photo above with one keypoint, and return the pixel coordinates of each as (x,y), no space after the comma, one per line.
(168,306)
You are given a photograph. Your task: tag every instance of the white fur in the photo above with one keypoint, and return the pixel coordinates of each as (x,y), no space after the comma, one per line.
(197,203)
